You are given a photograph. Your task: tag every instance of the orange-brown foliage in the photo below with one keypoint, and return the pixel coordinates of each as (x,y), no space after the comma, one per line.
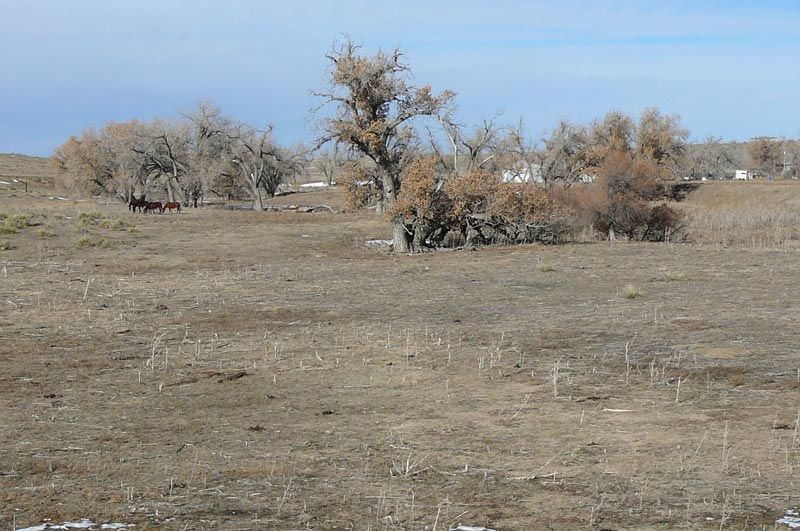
(619,200)
(358,186)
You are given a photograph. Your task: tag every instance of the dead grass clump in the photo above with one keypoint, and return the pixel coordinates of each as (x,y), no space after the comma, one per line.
(6,245)
(547,267)
(13,223)
(732,375)
(115,224)
(87,220)
(92,216)
(631,292)
(92,241)
(45,233)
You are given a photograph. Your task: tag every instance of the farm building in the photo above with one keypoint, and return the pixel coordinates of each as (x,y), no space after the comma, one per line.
(523,174)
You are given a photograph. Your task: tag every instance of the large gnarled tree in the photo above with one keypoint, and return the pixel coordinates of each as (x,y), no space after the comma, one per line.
(376,103)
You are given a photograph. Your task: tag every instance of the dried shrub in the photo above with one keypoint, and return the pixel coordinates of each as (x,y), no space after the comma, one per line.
(360,187)
(486,210)
(619,203)
(13,223)
(91,241)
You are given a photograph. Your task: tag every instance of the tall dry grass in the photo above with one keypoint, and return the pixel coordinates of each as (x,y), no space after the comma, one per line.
(752,223)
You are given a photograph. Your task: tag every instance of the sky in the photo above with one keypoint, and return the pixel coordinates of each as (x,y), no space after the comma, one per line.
(729,68)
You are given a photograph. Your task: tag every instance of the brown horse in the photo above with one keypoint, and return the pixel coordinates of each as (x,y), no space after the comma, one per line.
(172,205)
(151,207)
(137,203)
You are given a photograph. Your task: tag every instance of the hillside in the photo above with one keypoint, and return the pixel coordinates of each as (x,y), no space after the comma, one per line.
(16,169)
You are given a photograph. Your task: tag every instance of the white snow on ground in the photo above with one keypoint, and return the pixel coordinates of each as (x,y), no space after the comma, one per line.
(792,519)
(4,182)
(380,242)
(83,523)
(314,185)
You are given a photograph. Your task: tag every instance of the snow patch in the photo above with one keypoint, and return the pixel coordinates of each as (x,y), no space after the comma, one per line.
(378,243)
(83,523)
(792,519)
(4,182)
(314,185)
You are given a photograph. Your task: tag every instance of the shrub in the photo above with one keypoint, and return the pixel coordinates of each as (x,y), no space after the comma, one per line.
(90,241)
(631,292)
(619,202)
(92,216)
(12,223)
(441,209)
(114,224)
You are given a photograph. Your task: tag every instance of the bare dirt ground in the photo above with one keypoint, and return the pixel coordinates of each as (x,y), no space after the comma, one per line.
(240,370)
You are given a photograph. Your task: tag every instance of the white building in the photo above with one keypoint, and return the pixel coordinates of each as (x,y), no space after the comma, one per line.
(743,175)
(521,174)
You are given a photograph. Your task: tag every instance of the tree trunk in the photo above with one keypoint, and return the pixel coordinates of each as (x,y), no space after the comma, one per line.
(170,192)
(420,230)
(400,237)
(259,203)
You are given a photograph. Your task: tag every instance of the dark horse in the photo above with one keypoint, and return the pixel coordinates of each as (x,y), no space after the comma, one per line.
(171,205)
(136,203)
(152,207)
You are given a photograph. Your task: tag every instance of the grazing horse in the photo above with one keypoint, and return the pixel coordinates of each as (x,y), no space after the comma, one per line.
(151,207)
(137,203)
(171,205)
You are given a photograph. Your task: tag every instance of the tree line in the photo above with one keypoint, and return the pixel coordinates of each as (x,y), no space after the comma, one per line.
(400,148)
(202,154)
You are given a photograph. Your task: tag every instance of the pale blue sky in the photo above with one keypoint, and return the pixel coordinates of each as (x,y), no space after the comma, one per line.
(730,68)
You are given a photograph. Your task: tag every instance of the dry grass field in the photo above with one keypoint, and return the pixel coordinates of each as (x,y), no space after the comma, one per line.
(16,170)
(236,370)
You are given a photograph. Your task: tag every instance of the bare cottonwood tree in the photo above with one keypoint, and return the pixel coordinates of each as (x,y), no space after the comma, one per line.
(710,159)
(329,162)
(566,154)
(376,102)
(791,157)
(661,139)
(765,154)
(615,132)
(259,163)
(165,146)
(102,162)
